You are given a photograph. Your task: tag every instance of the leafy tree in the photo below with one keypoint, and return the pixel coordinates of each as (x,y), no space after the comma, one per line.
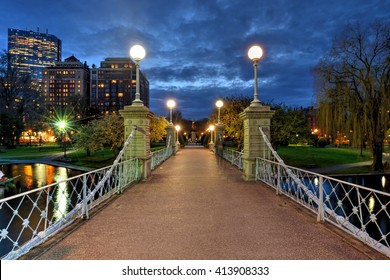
(354,86)
(289,126)
(111,132)
(157,129)
(89,139)
(232,107)
(104,132)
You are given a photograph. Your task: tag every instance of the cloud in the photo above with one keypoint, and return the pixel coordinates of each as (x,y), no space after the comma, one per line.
(196,49)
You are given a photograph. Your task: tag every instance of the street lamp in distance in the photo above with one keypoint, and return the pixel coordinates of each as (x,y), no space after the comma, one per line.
(219,104)
(62,127)
(171,104)
(177,134)
(211,128)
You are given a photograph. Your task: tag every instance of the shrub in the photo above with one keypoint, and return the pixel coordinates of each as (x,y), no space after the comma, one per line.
(321,142)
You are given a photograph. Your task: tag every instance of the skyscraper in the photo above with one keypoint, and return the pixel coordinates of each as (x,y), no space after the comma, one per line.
(113,85)
(37,50)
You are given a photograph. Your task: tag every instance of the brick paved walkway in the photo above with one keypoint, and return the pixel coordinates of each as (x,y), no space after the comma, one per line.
(196,206)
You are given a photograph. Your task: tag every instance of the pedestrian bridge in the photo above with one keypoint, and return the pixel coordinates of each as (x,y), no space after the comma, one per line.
(194,206)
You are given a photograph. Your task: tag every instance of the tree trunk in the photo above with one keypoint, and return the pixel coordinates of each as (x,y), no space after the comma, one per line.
(377,153)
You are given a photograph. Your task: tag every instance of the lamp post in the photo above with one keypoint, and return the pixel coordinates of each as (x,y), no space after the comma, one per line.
(137,52)
(177,134)
(62,126)
(219,104)
(211,127)
(171,104)
(255,53)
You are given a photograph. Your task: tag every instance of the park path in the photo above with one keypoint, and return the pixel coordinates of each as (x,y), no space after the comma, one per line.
(196,206)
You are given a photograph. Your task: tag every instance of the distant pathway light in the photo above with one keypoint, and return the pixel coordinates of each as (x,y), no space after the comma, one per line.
(211,128)
(177,134)
(171,104)
(219,104)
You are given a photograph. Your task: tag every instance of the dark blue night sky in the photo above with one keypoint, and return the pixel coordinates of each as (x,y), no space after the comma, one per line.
(196,50)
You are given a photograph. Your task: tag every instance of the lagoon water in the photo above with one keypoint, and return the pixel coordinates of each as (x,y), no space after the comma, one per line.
(31,176)
(34,175)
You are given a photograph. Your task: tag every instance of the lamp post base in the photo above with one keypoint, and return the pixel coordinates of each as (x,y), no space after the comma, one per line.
(137,102)
(255,103)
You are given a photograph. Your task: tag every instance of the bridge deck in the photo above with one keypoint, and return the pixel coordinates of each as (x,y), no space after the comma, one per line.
(196,206)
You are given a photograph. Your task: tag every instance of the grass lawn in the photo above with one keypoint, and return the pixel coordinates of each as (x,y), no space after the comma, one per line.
(97,160)
(32,151)
(311,157)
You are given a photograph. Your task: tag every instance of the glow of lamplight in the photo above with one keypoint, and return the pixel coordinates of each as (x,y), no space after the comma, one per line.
(371,204)
(62,195)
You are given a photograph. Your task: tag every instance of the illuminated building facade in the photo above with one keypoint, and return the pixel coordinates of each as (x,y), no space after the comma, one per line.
(37,50)
(113,85)
(66,86)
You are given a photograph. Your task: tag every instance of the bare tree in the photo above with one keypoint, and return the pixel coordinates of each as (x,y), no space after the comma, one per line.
(19,101)
(354,95)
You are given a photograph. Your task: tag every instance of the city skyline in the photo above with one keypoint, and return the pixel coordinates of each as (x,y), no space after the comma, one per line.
(196,50)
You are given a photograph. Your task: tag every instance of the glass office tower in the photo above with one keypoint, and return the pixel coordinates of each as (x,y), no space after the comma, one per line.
(37,50)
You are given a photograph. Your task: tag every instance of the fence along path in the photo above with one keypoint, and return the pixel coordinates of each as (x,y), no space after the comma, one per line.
(196,206)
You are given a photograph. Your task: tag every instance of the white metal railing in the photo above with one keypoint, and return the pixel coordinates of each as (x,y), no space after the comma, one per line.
(360,211)
(158,157)
(30,218)
(234,157)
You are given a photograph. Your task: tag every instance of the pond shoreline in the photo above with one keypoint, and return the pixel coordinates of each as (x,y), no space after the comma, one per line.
(46,160)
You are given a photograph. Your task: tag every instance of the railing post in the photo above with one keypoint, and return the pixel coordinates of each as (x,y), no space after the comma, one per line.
(136,169)
(120,174)
(320,216)
(85,200)
(360,207)
(278,188)
(47,211)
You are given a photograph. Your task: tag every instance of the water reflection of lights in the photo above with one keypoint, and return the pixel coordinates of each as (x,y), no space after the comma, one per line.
(28,174)
(383,180)
(316,181)
(40,175)
(371,203)
(61,195)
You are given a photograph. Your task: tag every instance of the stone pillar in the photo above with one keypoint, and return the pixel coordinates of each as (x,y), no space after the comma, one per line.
(219,131)
(171,134)
(254,145)
(139,116)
